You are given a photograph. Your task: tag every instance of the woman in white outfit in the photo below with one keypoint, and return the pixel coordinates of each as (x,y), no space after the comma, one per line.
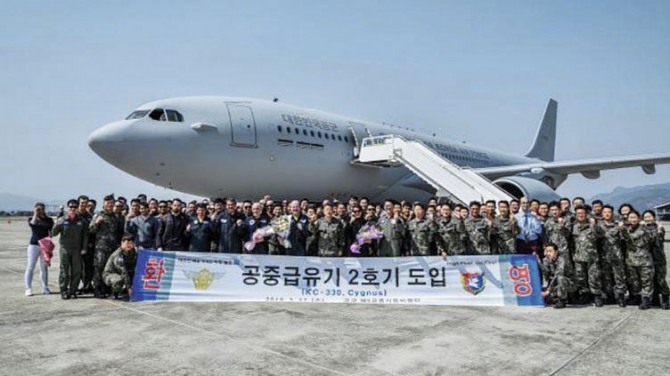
(41,225)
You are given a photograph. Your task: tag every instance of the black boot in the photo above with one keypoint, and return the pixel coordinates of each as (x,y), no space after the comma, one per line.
(646,303)
(620,300)
(584,298)
(64,295)
(560,303)
(598,301)
(633,299)
(665,301)
(86,290)
(98,293)
(655,301)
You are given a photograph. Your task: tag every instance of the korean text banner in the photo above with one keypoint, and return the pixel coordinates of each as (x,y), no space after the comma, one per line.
(459,280)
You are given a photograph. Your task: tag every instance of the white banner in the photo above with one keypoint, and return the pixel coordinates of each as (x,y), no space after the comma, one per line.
(458,280)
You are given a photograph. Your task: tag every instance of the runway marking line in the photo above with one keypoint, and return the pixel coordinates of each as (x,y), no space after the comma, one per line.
(592,344)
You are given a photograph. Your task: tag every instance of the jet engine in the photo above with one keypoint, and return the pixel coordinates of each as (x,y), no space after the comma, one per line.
(519,186)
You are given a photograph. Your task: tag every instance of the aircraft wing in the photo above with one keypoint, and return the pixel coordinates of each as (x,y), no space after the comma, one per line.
(590,168)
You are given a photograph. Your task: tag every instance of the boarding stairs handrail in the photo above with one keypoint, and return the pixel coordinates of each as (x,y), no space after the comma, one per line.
(460,184)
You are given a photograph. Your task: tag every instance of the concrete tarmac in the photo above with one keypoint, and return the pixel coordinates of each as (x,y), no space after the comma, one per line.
(44,335)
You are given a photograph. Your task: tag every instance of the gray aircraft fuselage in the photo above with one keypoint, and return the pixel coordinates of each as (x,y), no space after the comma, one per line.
(246,148)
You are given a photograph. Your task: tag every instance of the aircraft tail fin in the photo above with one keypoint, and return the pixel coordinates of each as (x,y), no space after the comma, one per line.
(545,140)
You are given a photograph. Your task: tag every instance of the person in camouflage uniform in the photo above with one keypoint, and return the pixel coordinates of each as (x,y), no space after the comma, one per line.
(566,214)
(275,244)
(613,255)
(657,233)
(504,230)
(105,228)
(422,233)
(392,225)
(555,231)
(120,268)
(477,228)
(607,277)
(585,235)
(451,234)
(639,244)
(543,212)
(559,275)
(597,207)
(73,241)
(328,233)
(624,209)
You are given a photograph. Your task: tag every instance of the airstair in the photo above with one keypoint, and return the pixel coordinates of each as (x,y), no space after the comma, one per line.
(459,184)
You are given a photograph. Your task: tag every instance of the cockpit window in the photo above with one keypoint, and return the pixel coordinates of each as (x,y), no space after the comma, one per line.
(166,115)
(158,114)
(137,114)
(173,115)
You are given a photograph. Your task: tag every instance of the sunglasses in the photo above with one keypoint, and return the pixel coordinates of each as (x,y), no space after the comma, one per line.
(247,207)
(73,207)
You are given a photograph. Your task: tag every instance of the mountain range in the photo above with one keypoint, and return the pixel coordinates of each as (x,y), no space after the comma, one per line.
(641,198)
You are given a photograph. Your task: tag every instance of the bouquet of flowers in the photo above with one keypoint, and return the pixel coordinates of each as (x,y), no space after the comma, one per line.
(47,248)
(366,234)
(279,226)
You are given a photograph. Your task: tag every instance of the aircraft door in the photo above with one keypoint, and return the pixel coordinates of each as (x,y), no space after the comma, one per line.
(242,125)
(358,133)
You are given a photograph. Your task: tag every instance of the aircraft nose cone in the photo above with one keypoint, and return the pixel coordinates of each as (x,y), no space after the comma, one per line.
(104,141)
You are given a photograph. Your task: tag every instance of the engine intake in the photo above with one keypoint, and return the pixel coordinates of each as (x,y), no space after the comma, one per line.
(519,186)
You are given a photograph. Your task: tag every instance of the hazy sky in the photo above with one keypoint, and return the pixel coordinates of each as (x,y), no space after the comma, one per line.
(476,71)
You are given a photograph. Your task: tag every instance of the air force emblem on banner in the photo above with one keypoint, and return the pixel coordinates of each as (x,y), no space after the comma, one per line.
(202,279)
(474,283)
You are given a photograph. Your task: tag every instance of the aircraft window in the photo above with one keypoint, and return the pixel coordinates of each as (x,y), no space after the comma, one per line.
(325,135)
(288,129)
(137,114)
(346,139)
(304,131)
(332,136)
(279,128)
(319,133)
(312,133)
(339,137)
(173,115)
(158,114)
(296,130)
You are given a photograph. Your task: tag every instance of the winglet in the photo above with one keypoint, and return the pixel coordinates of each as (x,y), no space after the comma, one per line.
(545,139)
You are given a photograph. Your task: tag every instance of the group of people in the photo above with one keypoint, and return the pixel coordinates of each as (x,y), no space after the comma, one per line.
(96,256)
(587,253)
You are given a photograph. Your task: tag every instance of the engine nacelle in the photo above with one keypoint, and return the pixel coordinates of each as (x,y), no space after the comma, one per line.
(518,186)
